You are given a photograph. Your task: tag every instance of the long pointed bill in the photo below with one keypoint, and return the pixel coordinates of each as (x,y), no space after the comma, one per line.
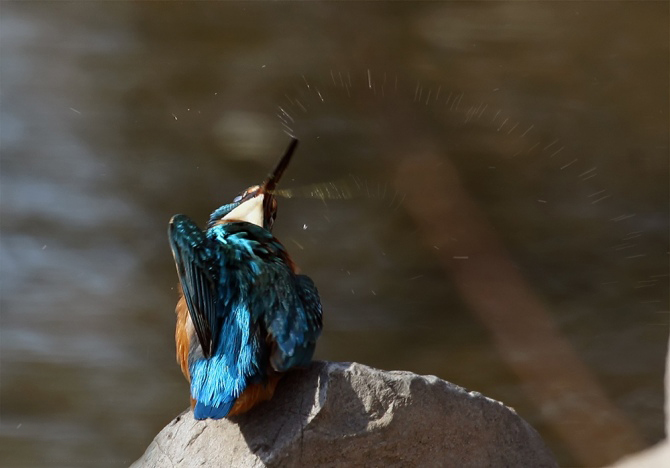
(275,175)
(271,182)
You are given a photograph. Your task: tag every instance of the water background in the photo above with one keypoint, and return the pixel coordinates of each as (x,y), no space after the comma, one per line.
(117,115)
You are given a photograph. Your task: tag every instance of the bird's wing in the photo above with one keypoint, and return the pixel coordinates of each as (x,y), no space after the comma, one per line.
(196,258)
(289,308)
(285,304)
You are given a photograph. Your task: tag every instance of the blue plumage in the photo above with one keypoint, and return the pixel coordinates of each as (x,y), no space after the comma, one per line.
(252,314)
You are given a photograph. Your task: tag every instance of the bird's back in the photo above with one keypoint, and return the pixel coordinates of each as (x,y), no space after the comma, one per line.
(264,318)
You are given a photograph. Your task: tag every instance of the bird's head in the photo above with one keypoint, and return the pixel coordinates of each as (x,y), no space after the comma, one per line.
(257,204)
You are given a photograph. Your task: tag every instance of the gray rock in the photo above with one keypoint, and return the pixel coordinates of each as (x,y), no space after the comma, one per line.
(341,414)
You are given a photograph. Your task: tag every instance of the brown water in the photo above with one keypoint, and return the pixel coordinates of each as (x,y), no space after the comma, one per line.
(116,116)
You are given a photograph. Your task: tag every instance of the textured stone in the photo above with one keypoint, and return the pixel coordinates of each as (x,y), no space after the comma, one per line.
(341,414)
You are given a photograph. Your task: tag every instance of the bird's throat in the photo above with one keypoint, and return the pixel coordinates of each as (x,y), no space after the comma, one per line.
(250,211)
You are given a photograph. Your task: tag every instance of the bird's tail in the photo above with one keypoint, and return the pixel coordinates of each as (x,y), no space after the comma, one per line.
(202,411)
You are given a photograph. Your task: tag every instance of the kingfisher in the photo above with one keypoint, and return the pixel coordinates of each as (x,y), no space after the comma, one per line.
(245,314)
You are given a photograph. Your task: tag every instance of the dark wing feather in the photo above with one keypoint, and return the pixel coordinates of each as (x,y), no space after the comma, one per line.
(290,310)
(312,304)
(285,304)
(196,259)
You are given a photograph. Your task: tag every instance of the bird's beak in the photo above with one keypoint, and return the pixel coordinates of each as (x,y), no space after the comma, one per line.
(271,182)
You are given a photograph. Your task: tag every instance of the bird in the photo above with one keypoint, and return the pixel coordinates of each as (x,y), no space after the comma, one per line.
(245,314)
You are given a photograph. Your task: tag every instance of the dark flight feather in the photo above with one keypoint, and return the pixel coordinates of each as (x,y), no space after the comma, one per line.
(194,255)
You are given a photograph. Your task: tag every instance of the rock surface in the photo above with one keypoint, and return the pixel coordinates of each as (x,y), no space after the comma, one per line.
(342,414)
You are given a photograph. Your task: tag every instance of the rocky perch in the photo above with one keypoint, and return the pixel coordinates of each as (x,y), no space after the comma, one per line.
(343,414)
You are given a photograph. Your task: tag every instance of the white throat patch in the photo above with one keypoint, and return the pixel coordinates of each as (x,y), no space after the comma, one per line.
(250,211)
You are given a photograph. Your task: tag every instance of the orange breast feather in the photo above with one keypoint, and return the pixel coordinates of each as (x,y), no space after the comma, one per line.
(181,335)
(254,394)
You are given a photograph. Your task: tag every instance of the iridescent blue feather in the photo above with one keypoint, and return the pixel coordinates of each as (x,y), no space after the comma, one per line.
(252,314)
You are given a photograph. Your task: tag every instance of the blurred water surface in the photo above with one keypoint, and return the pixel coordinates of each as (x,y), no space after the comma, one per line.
(115,116)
